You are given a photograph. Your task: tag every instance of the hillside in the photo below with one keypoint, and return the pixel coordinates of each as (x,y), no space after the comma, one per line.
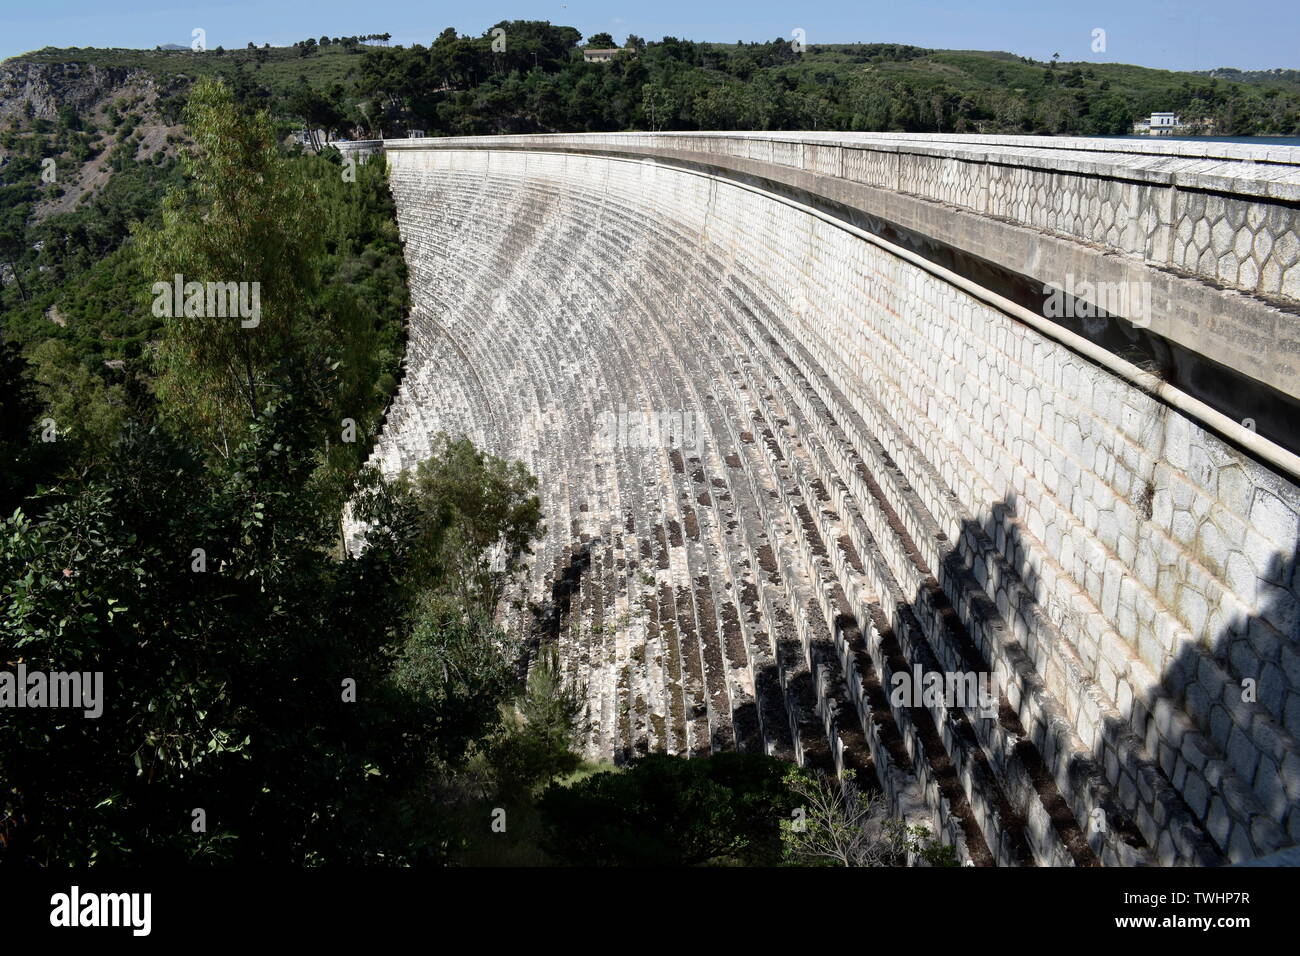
(275,70)
(460,85)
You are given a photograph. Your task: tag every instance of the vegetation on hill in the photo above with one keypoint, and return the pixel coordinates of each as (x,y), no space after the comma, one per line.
(266,697)
(527,76)
(83,278)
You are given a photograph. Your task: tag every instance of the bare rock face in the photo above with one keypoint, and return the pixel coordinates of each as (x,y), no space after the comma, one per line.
(50,86)
(38,91)
(809,496)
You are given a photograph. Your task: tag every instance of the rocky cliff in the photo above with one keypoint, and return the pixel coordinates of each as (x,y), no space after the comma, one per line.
(48,87)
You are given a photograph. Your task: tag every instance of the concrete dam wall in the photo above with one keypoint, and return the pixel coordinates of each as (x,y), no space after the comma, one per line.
(807,432)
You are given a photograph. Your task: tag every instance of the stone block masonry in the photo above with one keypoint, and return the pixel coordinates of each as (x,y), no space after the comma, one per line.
(888,471)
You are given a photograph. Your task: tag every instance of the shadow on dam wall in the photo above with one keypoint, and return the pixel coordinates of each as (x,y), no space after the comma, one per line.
(1119,789)
(1240,659)
(1187,773)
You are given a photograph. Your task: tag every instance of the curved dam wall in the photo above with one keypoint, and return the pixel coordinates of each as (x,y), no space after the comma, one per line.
(793,457)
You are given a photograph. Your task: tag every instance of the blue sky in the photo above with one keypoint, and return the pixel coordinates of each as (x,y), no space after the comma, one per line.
(1174,34)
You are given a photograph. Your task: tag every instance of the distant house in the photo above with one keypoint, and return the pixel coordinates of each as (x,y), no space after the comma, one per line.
(599,56)
(415,134)
(1160,124)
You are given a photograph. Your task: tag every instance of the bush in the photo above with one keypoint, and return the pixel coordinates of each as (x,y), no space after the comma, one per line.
(456,669)
(669,811)
(538,735)
(837,824)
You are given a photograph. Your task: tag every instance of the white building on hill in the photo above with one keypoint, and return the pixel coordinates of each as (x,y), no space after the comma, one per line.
(1160,124)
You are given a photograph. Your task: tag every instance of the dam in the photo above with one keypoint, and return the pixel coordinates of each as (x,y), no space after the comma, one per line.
(817,414)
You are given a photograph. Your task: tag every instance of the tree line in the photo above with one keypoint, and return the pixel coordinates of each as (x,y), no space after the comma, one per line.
(533,79)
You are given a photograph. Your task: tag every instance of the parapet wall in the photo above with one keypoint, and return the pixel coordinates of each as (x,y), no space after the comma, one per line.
(888,472)
(1220,211)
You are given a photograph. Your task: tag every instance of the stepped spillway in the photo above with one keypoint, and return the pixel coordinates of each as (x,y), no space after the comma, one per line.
(781,465)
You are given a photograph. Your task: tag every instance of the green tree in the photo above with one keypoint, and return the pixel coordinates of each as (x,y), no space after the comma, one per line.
(230,641)
(466,520)
(538,737)
(83,408)
(24,458)
(242,217)
(11,251)
(249,215)
(458,669)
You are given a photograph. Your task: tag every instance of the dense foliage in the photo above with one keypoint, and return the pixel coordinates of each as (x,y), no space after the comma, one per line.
(81,304)
(458,85)
(267,697)
(663,811)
